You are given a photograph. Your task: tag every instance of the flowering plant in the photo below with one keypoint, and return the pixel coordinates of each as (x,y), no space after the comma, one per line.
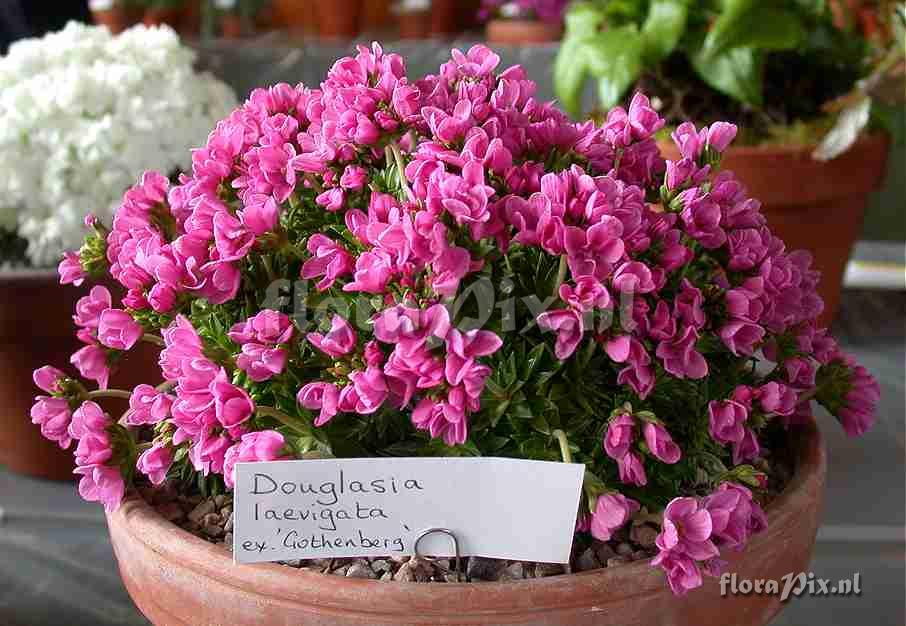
(82,114)
(544,10)
(446,266)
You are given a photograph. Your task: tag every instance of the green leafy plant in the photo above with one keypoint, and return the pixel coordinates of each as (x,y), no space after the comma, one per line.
(712,59)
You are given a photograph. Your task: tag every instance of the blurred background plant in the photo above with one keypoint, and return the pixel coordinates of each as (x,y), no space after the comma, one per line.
(771,65)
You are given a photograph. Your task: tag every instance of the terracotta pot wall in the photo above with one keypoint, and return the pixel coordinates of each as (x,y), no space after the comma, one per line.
(812,205)
(520,32)
(116,19)
(339,19)
(178,579)
(36,329)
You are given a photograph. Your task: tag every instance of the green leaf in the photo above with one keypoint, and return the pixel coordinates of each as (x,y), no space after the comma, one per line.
(570,72)
(739,73)
(583,19)
(614,57)
(748,25)
(663,28)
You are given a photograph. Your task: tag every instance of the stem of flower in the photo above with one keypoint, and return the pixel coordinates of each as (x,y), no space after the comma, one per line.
(561,274)
(282,417)
(268,267)
(157,341)
(108,393)
(401,169)
(564,445)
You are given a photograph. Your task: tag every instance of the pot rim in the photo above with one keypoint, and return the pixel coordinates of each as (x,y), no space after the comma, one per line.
(144,524)
(867,140)
(28,273)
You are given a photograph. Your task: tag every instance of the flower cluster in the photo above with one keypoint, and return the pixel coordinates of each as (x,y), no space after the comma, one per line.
(447,266)
(82,114)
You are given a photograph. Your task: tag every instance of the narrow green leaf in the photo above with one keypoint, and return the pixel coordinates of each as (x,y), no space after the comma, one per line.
(739,73)
(663,28)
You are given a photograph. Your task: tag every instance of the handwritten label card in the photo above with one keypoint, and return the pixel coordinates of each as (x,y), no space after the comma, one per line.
(498,508)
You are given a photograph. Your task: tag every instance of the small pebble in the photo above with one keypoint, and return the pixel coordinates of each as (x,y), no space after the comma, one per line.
(293,563)
(228,525)
(616,561)
(549,569)
(171,512)
(644,535)
(228,541)
(481,568)
(220,500)
(514,571)
(639,555)
(603,550)
(360,569)
(381,565)
(200,510)
(587,561)
(211,519)
(624,549)
(211,530)
(388,575)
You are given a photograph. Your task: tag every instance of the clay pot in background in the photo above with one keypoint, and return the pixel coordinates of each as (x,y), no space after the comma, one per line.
(116,19)
(812,205)
(295,16)
(521,32)
(230,26)
(339,19)
(375,15)
(453,17)
(36,329)
(157,16)
(413,24)
(190,19)
(176,578)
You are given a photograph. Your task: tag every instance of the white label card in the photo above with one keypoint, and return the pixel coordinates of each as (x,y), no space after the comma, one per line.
(499,508)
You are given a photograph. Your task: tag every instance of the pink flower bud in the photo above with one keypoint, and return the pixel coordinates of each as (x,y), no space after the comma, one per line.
(612,512)
(118,330)
(155,462)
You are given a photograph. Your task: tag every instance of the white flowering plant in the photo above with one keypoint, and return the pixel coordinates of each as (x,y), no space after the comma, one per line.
(82,114)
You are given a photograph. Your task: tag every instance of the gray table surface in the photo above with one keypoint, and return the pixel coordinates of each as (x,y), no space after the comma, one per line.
(57,566)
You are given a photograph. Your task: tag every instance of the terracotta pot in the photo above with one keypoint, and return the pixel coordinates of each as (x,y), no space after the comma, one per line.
(162,15)
(521,32)
(231,26)
(295,16)
(339,19)
(375,15)
(812,205)
(190,19)
(176,578)
(116,19)
(414,24)
(36,329)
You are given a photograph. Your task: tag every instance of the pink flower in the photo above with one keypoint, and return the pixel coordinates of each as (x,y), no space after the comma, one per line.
(633,277)
(720,135)
(209,453)
(320,396)
(620,436)
(265,445)
(449,268)
(53,415)
(856,409)
(464,348)
(411,328)
(88,419)
(118,330)
(354,177)
(632,472)
(232,238)
(372,271)
(70,270)
(680,357)
(588,294)
(94,448)
(328,260)
(91,361)
(569,327)
(367,392)
(232,405)
(148,406)
(90,307)
(48,378)
(747,448)
(266,327)
(687,529)
(690,141)
(660,443)
(103,484)
(612,512)
(777,398)
(219,281)
(727,420)
(688,305)
(735,515)
(341,339)
(741,337)
(260,362)
(155,462)
(683,574)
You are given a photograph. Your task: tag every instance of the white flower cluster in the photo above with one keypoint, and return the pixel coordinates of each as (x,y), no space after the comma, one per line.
(83,114)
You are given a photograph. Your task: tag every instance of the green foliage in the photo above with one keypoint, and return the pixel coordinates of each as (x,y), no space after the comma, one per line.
(726,42)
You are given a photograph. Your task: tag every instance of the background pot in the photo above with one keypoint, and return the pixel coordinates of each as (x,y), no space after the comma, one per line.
(339,19)
(116,19)
(295,16)
(157,16)
(518,32)
(176,578)
(812,205)
(36,329)
(413,24)
(231,26)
